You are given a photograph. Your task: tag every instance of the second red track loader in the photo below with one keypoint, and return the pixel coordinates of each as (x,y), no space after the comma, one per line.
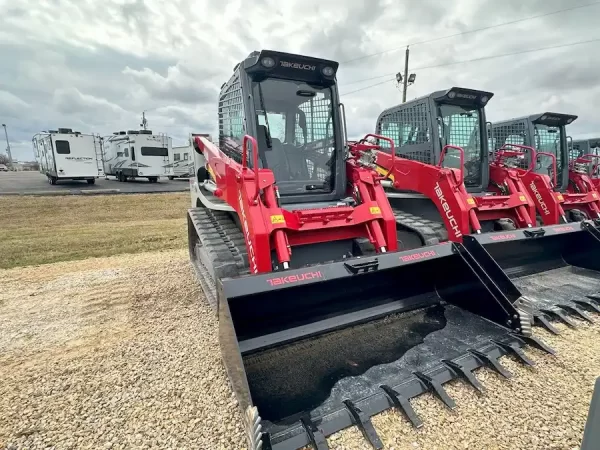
(443,187)
(322,323)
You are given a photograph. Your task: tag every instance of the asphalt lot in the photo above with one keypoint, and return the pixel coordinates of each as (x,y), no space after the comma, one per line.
(31,183)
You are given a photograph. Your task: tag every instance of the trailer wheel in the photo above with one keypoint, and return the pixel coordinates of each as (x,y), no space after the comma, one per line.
(152,179)
(92,181)
(171,178)
(53,180)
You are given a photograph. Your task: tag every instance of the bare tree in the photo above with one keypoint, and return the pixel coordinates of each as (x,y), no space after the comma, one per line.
(4,159)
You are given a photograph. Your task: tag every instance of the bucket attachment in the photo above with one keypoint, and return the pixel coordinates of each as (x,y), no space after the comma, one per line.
(555,268)
(312,351)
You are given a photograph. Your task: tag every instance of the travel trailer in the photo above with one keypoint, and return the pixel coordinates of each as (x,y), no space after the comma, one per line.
(183,158)
(138,154)
(183,164)
(65,154)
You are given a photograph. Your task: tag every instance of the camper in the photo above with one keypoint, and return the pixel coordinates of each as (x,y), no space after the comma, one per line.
(138,154)
(65,154)
(183,165)
(183,158)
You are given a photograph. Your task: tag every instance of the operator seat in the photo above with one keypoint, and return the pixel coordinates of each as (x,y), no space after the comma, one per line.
(273,158)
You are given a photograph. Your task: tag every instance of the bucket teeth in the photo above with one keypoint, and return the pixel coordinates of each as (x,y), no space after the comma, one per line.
(542,320)
(403,405)
(535,342)
(363,422)
(516,352)
(436,388)
(559,314)
(315,436)
(461,371)
(588,304)
(577,312)
(491,362)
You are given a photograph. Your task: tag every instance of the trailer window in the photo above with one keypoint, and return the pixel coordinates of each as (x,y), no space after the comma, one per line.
(119,154)
(185,156)
(176,156)
(62,147)
(155,151)
(126,152)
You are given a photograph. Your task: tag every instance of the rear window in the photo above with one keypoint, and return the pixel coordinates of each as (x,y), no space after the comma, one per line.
(154,151)
(62,147)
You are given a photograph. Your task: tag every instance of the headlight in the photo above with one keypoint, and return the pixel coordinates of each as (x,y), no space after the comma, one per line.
(569,120)
(544,117)
(140,173)
(268,62)
(328,71)
(451,94)
(484,99)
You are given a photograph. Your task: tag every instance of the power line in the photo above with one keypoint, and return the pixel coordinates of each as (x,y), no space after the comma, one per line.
(483,58)
(469,32)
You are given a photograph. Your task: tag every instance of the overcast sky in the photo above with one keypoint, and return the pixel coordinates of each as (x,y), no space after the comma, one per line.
(94,65)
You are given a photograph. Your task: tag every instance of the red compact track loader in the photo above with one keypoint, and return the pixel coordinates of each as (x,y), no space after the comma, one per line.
(443,186)
(322,321)
(589,151)
(558,185)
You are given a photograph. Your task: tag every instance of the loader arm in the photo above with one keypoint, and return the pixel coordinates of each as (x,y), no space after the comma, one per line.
(267,227)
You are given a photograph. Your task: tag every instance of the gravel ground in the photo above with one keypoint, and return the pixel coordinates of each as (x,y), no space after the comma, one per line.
(120,353)
(112,353)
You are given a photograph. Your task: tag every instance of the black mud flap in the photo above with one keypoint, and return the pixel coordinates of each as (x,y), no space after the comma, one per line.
(555,268)
(312,351)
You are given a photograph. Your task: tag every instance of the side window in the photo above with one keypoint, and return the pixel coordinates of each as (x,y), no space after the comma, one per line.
(119,154)
(132,154)
(126,153)
(176,157)
(185,156)
(62,147)
(390,130)
(276,124)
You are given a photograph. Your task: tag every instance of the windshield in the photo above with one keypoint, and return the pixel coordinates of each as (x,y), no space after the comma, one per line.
(549,139)
(461,126)
(296,134)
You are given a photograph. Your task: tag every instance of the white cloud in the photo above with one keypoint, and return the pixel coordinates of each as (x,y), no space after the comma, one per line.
(95,65)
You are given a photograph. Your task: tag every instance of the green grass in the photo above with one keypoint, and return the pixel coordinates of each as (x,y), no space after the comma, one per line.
(40,230)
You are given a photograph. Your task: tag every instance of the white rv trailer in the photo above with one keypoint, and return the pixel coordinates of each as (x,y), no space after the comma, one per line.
(183,165)
(183,158)
(138,154)
(65,154)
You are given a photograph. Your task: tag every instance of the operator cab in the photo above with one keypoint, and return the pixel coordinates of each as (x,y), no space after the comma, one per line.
(290,104)
(545,132)
(422,128)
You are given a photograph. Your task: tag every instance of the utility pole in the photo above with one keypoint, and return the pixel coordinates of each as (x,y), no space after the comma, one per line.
(7,147)
(405,88)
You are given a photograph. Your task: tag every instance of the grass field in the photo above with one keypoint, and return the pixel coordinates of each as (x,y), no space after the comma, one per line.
(40,230)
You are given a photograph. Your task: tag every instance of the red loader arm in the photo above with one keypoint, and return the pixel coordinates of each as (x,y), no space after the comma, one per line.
(442,185)
(266,226)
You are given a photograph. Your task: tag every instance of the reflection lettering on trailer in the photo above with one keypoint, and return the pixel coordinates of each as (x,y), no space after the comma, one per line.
(290,279)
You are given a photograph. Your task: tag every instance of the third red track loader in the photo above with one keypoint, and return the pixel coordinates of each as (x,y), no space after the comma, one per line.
(558,185)
(443,187)
(322,322)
